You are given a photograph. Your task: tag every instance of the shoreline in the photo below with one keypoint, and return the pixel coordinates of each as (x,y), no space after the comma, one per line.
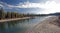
(14,19)
(45,26)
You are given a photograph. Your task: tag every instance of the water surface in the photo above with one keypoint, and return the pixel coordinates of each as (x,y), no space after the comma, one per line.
(19,26)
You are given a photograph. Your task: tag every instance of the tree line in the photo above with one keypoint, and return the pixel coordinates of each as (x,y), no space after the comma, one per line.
(8,15)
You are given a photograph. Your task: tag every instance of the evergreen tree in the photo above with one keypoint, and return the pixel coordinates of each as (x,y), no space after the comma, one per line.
(2,13)
(8,15)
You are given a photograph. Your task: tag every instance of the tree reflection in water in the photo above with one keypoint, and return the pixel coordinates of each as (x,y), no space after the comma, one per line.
(12,26)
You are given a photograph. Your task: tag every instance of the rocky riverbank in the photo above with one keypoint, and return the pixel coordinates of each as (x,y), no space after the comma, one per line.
(49,25)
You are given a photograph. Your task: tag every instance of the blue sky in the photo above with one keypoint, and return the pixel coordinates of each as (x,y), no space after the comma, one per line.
(14,2)
(31,6)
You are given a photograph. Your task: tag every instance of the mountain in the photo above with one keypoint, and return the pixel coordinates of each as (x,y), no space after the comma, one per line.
(57,14)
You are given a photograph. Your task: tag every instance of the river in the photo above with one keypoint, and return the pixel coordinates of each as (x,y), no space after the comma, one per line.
(20,26)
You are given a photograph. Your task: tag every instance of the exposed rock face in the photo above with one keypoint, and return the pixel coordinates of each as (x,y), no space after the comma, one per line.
(50,25)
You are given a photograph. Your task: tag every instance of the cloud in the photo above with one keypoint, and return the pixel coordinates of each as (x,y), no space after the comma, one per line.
(25,5)
(5,5)
(50,6)
(1,5)
(47,4)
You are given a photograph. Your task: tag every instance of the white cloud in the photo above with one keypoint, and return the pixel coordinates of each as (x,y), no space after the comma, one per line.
(49,6)
(26,5)
(1,5)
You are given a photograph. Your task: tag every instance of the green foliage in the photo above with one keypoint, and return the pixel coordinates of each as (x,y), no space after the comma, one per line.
(2,13)
(8,15)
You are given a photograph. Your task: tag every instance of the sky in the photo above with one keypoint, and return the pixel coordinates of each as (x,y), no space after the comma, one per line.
(31,6)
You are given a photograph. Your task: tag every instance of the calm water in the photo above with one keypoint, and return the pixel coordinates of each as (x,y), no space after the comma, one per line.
(19,26)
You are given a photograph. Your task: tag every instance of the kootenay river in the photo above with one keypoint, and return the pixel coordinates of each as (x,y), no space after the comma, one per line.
(19,26)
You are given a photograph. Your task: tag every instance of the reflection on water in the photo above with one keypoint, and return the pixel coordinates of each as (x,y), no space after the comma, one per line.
(19,26)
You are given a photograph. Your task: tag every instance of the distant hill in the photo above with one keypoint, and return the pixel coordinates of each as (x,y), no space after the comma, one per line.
(57,14)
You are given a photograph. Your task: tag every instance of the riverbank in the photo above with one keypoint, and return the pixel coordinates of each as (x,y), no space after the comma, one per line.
(49,25)
(13,19)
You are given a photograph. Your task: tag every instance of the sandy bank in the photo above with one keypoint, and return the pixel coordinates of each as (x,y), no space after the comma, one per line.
(14,19)
(49,25)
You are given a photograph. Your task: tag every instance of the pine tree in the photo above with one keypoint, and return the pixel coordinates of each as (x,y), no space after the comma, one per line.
(2,13)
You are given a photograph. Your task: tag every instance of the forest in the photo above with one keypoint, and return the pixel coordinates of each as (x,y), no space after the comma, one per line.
(9,15)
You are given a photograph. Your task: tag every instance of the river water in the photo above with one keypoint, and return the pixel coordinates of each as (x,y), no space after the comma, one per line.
(20,26)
